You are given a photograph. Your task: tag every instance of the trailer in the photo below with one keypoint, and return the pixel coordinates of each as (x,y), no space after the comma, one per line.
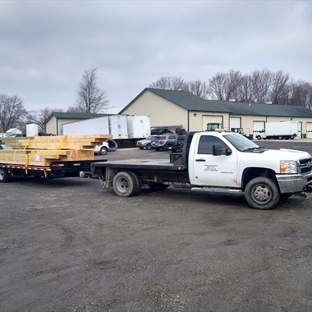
(55,170)
(47,157)
(126,130)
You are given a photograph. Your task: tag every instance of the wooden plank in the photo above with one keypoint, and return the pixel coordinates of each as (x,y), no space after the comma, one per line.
(56,142)
(43,157)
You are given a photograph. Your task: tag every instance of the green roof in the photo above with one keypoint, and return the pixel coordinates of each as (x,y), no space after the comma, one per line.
(62,115)
(191,102)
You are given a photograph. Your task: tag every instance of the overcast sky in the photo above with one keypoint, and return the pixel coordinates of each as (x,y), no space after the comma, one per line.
(45,46)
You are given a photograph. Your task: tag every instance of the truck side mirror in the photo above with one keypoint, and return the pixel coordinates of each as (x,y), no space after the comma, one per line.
(228,151)
(216,149)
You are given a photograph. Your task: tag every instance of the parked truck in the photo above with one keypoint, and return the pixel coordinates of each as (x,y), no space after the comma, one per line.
(126,130)
(284,130)
(222,160)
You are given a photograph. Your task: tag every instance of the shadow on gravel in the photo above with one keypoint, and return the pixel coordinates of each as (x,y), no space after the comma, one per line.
(52,182)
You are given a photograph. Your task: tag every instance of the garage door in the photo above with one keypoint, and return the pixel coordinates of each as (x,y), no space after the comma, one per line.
(309,130)
(235,123)
(257,127)
(211,119)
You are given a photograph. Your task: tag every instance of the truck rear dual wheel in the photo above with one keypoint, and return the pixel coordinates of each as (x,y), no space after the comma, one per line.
(4,176)
(262,193)
(127,183)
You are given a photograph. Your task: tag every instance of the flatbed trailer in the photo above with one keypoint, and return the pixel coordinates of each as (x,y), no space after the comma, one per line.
(55,170)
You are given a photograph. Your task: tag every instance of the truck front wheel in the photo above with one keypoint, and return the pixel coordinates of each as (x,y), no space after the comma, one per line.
(126,184)
(4,176)
(262,193)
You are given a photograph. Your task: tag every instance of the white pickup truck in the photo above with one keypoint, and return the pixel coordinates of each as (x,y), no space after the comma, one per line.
(216,159)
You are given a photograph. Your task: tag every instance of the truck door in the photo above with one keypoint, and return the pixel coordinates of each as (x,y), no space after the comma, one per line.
(213,170)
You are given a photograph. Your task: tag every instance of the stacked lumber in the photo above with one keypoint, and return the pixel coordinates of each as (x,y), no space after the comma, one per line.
(42,150)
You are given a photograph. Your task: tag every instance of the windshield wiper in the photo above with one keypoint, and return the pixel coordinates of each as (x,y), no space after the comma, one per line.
(252,149)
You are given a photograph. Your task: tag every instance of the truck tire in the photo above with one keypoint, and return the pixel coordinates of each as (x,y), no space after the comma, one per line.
(112,145)
(103,150)
(138,180)
(262,193)
(258,137)
(125,184)
(4,176)
(157,186)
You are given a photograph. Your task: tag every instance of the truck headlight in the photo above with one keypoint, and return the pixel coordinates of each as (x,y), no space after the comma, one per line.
(288,166)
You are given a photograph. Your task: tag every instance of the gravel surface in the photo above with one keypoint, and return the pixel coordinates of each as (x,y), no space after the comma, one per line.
(70,245)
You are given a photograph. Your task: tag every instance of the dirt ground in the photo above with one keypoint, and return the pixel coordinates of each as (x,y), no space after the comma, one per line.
(70,245)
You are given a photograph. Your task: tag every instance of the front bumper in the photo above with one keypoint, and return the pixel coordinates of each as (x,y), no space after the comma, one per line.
(293,183)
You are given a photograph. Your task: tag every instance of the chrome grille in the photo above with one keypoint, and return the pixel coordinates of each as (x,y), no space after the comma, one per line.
(305,165)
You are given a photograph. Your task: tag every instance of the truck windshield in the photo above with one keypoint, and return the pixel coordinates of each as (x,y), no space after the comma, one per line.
(240,142)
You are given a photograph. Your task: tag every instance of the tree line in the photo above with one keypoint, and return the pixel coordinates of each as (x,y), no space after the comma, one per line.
(260,86)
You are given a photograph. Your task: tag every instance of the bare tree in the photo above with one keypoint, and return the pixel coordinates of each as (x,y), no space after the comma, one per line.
(300,94)
(91,99)
(41,117)
(217,87)
(244,92)
(197,87)
(12,111)
(279,87)
(169,83)
(260,85)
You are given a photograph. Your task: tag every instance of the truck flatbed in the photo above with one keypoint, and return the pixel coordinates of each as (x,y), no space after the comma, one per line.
(139,164)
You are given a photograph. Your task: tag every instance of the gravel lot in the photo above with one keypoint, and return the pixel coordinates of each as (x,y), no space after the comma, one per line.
(70,245)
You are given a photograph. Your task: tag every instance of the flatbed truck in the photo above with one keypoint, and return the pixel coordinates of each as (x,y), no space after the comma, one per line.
(216,159)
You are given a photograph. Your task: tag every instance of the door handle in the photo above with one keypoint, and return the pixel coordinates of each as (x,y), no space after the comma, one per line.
(200,159)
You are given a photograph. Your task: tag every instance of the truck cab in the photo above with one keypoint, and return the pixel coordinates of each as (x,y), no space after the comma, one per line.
(225,159)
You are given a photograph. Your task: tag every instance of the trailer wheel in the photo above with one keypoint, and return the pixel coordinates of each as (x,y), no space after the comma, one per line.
(262,193)
(103,150)
(157,186)
(125,184)
(4,176)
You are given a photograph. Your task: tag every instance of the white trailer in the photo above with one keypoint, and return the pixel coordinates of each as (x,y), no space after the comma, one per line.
(125,129)
(283,130)
(139,126)
(87,126)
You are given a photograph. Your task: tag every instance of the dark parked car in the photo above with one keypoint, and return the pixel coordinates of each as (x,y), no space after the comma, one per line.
(159,131)
(160,143)
(176,146)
